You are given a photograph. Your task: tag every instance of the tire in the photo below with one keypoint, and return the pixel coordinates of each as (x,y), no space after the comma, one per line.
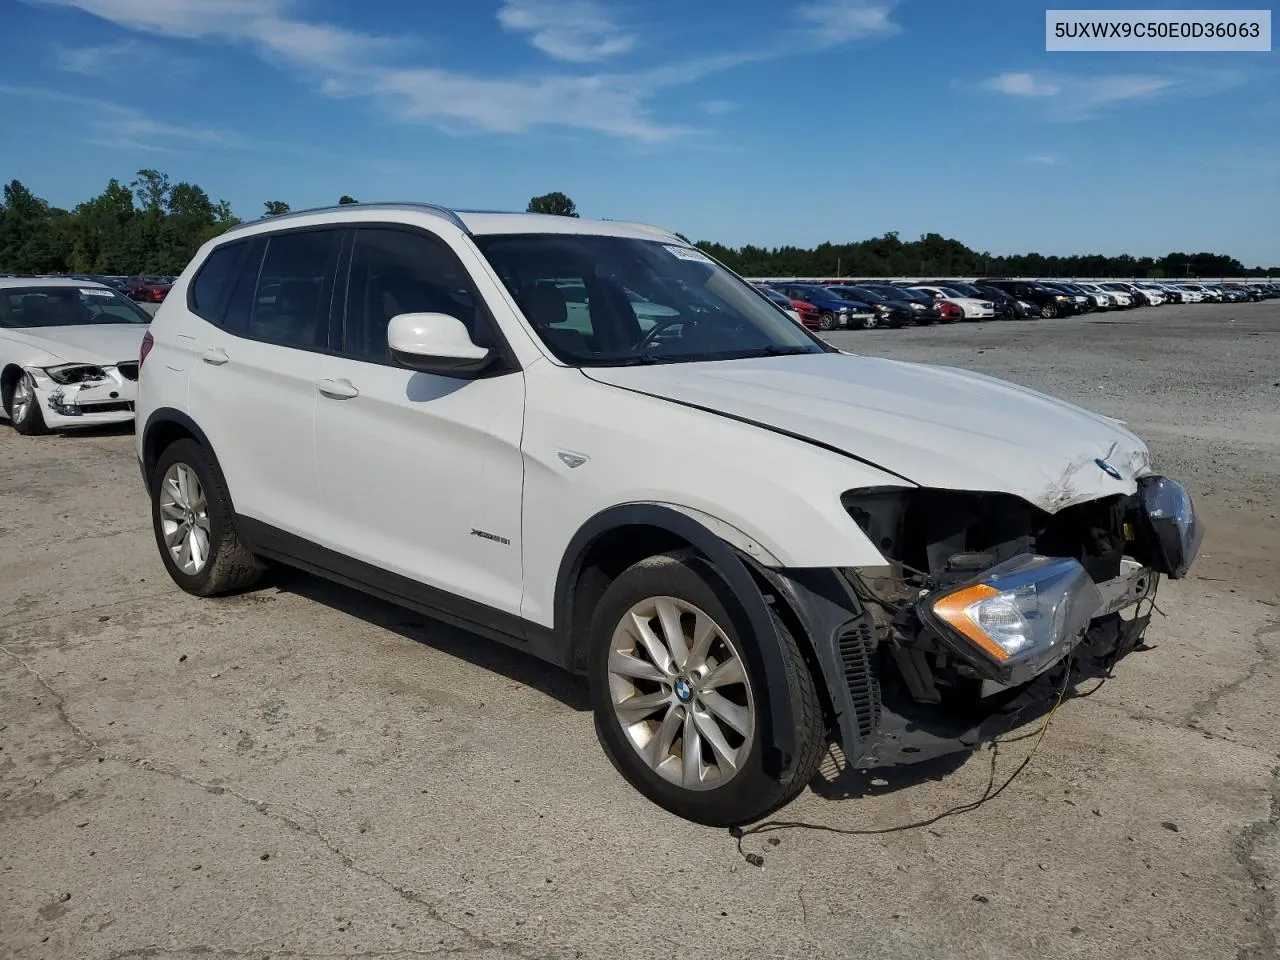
(1048,310)
(227,564)
(715,793)
(27,418)
(871,322)
(826,321)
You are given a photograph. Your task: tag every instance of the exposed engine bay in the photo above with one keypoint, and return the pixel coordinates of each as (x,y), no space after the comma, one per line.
(989,604)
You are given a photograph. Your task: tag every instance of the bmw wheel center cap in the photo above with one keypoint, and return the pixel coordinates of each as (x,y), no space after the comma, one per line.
(684,689)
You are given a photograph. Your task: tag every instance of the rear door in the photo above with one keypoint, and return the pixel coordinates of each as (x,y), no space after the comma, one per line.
(421,474)
(252,385)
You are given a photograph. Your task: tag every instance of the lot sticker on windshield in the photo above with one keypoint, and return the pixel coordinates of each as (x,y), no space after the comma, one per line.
(95,292)
(688,253)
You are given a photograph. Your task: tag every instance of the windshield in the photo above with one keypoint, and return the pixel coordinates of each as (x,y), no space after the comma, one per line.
(611,301)
(849,293)
(37,306)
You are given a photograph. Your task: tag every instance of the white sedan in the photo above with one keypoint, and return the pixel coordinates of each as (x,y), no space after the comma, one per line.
(1108,297)
(68,353)
(971,307)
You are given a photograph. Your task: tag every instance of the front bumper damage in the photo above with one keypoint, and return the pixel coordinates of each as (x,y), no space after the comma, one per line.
(90,403)
(905,685)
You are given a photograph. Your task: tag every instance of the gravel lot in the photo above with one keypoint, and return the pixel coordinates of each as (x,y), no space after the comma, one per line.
(305,772)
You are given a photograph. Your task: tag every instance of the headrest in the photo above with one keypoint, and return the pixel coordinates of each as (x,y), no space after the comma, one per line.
(543,305)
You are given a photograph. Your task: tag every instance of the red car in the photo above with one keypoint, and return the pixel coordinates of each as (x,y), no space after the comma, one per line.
(149,289)
(950,311)
(808,314)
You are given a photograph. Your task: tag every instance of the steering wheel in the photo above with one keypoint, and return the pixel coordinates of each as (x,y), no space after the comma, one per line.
(659,326)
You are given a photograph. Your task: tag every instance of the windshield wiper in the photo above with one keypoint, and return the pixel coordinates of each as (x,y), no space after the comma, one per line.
(773,350)
(640,359)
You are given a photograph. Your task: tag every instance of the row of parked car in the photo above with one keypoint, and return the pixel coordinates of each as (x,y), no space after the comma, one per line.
(853,304)
(143,289)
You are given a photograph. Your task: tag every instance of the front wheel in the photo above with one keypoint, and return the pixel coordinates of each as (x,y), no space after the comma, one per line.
(1048,310)
(24,408)
(826,321)
(679,694)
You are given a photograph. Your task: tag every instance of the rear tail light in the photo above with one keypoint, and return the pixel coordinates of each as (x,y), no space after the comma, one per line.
(148,342)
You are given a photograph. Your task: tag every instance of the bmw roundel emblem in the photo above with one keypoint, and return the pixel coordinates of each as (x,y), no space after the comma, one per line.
(684,689)
(1108,469)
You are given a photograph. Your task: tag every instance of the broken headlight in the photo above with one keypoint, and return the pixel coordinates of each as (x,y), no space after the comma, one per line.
(1020,615)
(1174,532)
(75,373)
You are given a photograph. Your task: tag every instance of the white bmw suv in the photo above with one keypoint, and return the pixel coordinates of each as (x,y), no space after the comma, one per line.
(591,442)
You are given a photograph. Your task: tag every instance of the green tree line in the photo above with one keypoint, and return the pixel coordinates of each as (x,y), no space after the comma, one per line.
(153,226)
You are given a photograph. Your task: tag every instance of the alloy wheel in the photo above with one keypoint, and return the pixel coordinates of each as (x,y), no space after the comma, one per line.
(23,397)
(184,518)
(681,693)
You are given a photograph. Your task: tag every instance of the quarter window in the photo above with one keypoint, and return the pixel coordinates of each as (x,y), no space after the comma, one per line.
(212,284)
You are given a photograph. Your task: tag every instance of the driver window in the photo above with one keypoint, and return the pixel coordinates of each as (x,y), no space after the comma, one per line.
(403,271)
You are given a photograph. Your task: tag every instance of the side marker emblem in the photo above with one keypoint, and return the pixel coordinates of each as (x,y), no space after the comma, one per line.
(572,460)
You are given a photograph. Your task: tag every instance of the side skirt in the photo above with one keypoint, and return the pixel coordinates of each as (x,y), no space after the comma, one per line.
(512,630)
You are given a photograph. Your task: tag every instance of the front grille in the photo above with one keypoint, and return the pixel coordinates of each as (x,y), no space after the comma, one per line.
(857,642)
(128,370)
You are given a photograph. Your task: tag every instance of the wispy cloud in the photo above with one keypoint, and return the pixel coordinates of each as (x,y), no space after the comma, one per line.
(120,60)
(715,108)
(1074,97)
(1023,85)
(348,63)
(839,21)
(104,123)
(578,31)
(1043,159)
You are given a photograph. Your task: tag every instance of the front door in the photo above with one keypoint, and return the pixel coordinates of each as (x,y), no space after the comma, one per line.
(420,474)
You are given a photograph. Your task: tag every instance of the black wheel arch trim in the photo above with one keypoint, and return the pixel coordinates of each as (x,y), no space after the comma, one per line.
(168,415)
(778,724)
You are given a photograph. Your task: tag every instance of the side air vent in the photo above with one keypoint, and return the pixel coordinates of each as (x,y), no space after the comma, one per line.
(857,642)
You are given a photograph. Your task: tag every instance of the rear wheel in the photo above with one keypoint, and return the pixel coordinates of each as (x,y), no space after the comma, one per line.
(679,695)
(24,408)
(194,523)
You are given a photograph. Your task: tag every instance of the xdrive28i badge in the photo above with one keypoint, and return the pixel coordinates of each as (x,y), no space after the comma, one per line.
(1108,469)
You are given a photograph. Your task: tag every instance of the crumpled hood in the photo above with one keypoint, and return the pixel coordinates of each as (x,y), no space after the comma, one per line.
(99,343)
(938,427)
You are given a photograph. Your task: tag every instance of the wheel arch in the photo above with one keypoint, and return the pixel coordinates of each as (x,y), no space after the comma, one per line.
(619,536)
(164,427)
(8,380)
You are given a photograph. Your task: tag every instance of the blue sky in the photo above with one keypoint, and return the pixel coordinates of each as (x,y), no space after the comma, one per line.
(753,121)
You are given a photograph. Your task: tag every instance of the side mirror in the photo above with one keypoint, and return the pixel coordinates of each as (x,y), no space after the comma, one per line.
(436,343)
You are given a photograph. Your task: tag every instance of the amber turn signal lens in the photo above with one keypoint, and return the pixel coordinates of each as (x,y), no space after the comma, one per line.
(953,609)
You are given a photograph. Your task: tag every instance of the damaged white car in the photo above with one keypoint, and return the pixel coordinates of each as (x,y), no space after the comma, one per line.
(748,542)
(68,354)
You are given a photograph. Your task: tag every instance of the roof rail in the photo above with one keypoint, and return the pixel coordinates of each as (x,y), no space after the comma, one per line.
(432,208)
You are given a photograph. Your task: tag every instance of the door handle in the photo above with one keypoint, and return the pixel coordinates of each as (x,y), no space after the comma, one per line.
(337,389)
(215,355)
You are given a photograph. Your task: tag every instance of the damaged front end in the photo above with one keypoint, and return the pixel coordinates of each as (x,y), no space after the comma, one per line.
(988,607)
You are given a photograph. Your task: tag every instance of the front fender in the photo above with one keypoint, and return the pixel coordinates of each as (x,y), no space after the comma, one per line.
(756,619)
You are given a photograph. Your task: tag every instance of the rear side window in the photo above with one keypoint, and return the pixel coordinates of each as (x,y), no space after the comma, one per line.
(212,285)
(290,300)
